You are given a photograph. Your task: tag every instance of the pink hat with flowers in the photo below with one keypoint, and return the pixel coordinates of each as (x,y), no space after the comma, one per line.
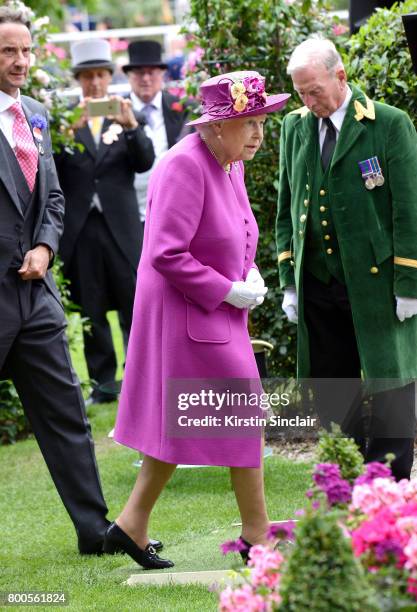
(237,94)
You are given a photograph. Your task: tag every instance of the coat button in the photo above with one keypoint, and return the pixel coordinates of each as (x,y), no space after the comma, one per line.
(248,234)
(308,187)
(324,223)
(329,251)
(327,237)
(374,270)
(301,233)
(292,263)
(322,192)
(305,202)
(303,218)
(322,209)
(246,220)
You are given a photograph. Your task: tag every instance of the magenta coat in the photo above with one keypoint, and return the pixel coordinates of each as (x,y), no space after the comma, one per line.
(200,235)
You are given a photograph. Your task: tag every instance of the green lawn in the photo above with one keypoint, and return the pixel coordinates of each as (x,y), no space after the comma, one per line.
(77,352)
(194,515)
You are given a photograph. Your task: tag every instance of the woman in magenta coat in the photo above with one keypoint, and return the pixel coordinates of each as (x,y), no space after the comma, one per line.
(196,281)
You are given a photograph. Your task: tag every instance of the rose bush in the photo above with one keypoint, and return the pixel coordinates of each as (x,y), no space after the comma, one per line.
(354,548)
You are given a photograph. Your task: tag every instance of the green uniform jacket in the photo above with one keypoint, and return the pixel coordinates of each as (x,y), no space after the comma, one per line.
(376,230)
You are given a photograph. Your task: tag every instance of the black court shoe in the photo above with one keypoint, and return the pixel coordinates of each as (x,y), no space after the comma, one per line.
(244,552)
(116,540)
(157,545)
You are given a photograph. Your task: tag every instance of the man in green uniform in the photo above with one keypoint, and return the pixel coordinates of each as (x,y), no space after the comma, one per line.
(347,242)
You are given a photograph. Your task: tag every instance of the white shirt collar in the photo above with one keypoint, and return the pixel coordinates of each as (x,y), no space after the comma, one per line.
(338,116)
(138,104)
(7,101)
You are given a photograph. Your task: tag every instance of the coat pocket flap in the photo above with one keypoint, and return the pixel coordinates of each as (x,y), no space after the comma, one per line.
(382,246)
(211,327)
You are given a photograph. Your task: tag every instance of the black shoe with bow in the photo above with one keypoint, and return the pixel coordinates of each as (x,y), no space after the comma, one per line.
(116,540)
(89,545)
(244,551)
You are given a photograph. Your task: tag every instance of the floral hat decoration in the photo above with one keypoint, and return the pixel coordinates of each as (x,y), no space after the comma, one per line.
(237,94)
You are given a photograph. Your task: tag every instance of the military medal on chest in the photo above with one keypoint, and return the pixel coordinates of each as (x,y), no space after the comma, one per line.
(38,138)
(372,173)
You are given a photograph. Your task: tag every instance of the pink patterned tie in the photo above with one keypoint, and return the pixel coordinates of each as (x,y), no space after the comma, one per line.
(25,149)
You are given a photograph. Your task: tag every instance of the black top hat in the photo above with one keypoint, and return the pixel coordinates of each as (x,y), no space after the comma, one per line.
(144,53)
(410,25)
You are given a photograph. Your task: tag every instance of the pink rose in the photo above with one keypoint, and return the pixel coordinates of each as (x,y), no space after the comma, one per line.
(254,85)
(242,599)
(338,29)
(177,106)
(364,499)
(388,491)
(409,489)
(411,553)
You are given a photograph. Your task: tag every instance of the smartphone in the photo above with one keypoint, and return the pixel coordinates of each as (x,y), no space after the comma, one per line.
(101,107)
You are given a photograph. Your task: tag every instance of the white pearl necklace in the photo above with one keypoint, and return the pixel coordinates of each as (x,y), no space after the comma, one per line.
(226,168)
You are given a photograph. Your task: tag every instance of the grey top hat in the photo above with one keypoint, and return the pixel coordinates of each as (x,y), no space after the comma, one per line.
(410,26)
(92,53)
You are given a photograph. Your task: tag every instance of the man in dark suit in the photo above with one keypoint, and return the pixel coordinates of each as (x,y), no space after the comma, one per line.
(165,115)
(33,346)
(103,235)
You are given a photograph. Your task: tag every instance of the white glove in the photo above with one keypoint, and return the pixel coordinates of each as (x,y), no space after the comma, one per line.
(245,295)
(406,308)
(290,304)
(254,278)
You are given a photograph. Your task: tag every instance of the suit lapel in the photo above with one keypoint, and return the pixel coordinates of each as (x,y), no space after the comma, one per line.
(351,130)
(307,131)
(170,122)
(42,184)
(41,167)
(6,174)
(85,136)
(103,148)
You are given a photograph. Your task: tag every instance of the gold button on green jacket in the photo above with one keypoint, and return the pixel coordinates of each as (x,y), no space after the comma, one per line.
(373,232)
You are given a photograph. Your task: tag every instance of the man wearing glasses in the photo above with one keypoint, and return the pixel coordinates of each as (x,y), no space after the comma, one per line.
(164,113)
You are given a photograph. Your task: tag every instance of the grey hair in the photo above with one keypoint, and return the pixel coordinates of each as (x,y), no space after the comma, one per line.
(206,129)
(10,14)
(316,51)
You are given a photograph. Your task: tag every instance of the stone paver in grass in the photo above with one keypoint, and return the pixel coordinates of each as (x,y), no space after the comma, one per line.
(210,577)
(272,522)
(198,561)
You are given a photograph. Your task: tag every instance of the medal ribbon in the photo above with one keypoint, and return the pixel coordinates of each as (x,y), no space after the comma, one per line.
(375,165)
(366,168)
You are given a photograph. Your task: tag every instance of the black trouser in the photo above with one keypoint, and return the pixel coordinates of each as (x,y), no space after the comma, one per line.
(101,280)
(34,354)
(390,427)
